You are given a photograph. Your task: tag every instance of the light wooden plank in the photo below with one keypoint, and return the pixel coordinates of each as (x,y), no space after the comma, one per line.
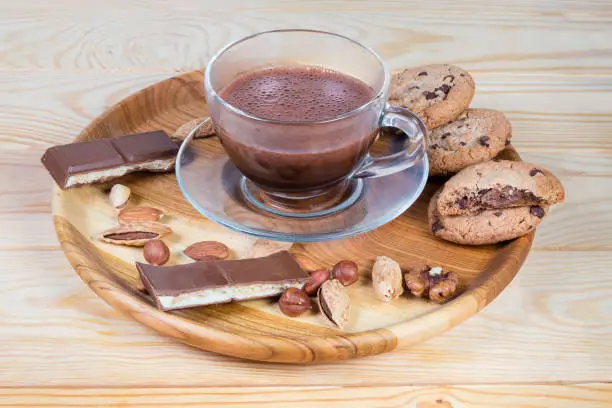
(140,36)
(42,109)
(548,113)
(546,64)
(585,8)
(590,395)
(56,332)
(557,7)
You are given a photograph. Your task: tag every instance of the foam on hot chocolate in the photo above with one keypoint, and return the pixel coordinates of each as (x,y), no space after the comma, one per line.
(297,93)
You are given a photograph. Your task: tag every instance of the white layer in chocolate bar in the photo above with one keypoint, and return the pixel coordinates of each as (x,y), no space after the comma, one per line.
(210,282)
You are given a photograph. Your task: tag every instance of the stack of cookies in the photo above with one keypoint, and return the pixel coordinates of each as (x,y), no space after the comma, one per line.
(486,201)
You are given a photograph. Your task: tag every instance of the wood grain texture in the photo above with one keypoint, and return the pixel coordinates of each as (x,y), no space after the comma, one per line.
(256,330)
(183,35)
(590,395)
(564,326)
(578,121)
(546,64)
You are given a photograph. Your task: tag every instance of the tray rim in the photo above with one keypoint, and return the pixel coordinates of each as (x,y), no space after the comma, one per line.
(491,281)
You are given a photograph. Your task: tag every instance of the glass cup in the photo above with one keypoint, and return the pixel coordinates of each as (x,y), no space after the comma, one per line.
(312,167)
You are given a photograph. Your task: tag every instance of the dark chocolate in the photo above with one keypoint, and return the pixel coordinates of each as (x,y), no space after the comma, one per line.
(64,161)
(194,277)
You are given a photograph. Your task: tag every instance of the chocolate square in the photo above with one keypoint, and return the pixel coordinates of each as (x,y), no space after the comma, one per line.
(278,267)
(143,147)
(173,280)
(63,161)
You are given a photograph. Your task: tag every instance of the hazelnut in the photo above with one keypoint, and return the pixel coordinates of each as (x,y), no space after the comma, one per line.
(156,252)
(345,272)
(316,280)
(294,302)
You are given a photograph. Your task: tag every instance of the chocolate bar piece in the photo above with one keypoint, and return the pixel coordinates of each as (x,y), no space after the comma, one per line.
(105,159)
(210,282)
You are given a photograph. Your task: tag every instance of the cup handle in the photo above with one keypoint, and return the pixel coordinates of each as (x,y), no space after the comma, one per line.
(410,149)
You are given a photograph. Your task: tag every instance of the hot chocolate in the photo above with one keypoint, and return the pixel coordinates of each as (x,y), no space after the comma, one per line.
(296,140)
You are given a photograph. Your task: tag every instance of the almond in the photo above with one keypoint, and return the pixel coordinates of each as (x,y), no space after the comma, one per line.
(135,234)
(207,250)
(135,215)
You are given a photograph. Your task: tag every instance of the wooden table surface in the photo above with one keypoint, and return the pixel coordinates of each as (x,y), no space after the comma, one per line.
(546,341)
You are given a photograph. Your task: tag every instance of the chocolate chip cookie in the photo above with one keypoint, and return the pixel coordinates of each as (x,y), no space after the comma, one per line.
(436,93)
(477,135)
(487,227)
(496,185)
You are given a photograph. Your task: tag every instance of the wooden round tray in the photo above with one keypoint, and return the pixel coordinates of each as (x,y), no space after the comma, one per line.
(256,329)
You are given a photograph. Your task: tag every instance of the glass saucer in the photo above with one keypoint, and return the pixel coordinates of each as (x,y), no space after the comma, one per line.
(214,186)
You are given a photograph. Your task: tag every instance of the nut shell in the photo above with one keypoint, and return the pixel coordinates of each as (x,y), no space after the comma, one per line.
(445,288)
(207,250)
(156,252)
(387,279)
(119,196)
(417,283)
(135,234)
(135,215)
(334,303)
(432,283)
